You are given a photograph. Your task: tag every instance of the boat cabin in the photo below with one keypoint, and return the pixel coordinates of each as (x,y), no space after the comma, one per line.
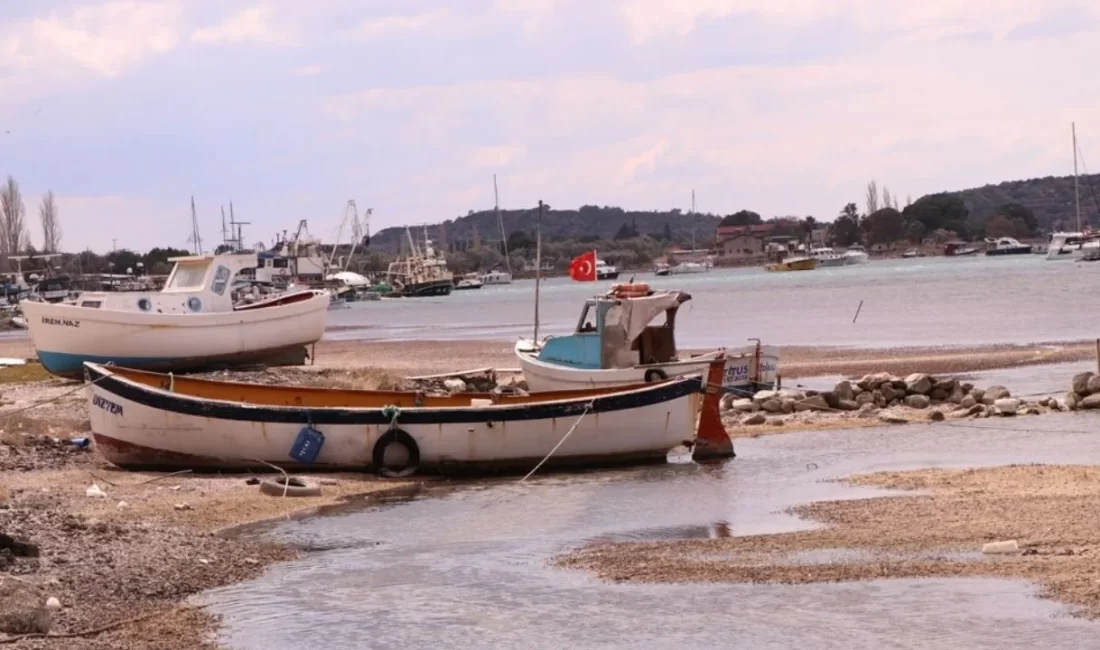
(197,284)
(617,330)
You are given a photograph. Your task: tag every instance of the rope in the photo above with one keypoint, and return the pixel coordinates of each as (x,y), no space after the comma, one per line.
(391,411)
(92,632)
(587,408)
(52,399)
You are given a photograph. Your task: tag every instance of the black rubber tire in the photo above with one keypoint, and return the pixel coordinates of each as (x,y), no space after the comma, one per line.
(655,372)
(275,487)
(395,437)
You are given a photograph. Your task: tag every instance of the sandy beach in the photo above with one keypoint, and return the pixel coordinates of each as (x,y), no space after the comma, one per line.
(153,540)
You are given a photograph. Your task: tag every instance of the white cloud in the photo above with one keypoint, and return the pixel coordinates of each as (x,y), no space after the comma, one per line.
(251,25)
(104,39)
(374,27)
(498,156)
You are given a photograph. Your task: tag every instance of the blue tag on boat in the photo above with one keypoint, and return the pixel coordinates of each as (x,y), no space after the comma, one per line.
(307,445)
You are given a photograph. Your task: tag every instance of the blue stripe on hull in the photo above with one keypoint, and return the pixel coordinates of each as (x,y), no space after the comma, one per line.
(69,365)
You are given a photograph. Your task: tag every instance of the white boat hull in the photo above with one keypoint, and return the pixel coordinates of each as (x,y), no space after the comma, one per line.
(65,336)
(856,258)
(136,426)
(740,369)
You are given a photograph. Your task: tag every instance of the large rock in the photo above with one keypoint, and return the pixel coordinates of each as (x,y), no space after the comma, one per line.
(938,395)
(936,415)
(1072,399)
(755,419)
(976,393)
(994,393)
(865,398)
(1090,402)
(1094,385)
(23,609)
(918,401)
(968,401)
(772,406)
(1007,405)
(888,392)
(844,391)
(788,405)
(918,383)
(790,393)
(831,399)
(871,382)
(815,403)
(880,401)
(764,395)
(1081,383)
(946,385)
(454,385)
(956,396)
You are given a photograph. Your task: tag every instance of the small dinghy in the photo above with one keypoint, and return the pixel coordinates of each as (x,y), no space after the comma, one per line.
(147,420)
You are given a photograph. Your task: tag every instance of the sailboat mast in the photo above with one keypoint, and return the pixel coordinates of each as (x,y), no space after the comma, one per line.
(500,220)
(538,269)
(1076,195)
(693,220)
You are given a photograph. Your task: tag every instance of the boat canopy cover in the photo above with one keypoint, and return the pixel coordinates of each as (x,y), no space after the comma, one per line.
(627,319)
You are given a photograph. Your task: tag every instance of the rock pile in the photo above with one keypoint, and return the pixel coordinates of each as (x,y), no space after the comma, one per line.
(867,396)
(1084,393)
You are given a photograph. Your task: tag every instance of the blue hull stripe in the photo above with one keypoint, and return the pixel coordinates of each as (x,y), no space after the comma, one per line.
(64,363)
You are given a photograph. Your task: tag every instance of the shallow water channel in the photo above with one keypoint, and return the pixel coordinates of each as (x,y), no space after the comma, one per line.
(467,567)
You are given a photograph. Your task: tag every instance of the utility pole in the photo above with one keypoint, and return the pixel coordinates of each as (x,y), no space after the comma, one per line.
(114,244)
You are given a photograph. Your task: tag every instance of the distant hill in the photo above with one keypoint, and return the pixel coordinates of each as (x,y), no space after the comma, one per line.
(589,223)
(1050,199)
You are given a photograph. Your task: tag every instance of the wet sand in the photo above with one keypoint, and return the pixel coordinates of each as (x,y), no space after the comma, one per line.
(936,532)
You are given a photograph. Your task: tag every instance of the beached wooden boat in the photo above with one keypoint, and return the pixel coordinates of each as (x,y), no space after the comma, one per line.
(617,342)
(146,420)
(191,324)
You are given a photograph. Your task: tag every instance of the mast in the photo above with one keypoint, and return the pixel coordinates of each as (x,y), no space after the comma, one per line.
(1076,195)
(195,228)
(538,269)
(693,220)
(500,220)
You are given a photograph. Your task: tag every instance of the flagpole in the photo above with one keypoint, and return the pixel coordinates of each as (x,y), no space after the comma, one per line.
(538,269)
(595,256)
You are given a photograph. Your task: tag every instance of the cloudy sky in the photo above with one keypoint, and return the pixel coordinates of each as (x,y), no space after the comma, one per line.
(127,109)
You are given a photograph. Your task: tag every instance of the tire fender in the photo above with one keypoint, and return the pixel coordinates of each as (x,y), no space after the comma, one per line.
(655,374)
(395,436)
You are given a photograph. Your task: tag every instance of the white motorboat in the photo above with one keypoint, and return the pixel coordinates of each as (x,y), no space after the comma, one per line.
(856,254)
(605,271)
(1006,246)
(191,324)
(496,276)
(827,257)
(469,281)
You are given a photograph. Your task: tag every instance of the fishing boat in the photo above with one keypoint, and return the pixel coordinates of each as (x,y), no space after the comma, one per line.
(496,276)
(793,264)
(191,324)
(146,420)
(1006,246)
(420,273)
(616,343)
(959,249)
(605,271)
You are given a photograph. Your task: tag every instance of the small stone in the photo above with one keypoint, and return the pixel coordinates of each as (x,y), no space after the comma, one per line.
(844,391)
(187,506)
(957,396)
(936,415)
(890,418)
(788,405)
(976,410)
(865,398)
(868,411)
(776,422)
(53,603)
(847,405)
(966,387)
(755,419)
(328,481)
(251,561)
(918,401)
(1071,400)
(1044,401)
(454,385)
(968,401)
(977,394)
(122,505)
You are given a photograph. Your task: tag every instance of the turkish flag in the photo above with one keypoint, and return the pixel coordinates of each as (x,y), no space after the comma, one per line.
(583,267)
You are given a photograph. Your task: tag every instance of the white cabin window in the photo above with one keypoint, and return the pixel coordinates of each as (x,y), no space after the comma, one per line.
(187,277)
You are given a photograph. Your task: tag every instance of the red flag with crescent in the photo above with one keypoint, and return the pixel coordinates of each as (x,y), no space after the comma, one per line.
(583,267)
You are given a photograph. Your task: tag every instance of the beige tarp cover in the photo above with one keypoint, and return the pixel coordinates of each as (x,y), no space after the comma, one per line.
(625,322)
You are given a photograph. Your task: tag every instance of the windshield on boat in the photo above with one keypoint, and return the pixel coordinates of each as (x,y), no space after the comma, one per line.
(187,276)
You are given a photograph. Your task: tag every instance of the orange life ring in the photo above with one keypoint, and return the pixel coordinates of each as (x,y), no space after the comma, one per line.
(636,290)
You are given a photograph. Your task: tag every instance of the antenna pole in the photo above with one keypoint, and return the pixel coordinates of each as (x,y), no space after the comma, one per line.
(538,269)
(693,220)
(1076,196)
(500,220)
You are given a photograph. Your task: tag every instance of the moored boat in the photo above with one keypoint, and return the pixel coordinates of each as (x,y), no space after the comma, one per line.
(793,264)
(959,249)
(856,254)
(469,281)
(616,343)
(144,420)
(827,257)
(191,324)
(1006,246)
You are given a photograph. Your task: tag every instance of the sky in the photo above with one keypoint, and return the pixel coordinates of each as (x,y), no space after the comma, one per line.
(125,110)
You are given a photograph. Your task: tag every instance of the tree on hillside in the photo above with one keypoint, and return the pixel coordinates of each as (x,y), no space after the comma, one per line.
(123,259)
(519,240)
(884,226)
(742,218)
(914,231)
(808,225)
(941,210)
(1022,214)
(998,225)
(13,229)
(51,227)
